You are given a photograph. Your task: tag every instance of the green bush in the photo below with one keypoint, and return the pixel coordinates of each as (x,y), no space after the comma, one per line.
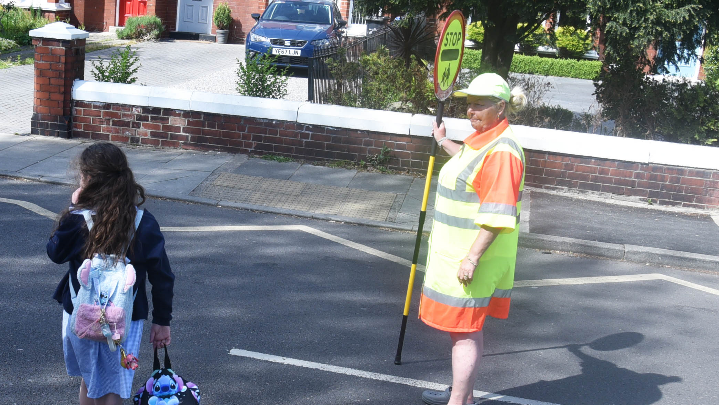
(669,110)
(711,67)
(7,45)
(120,68)
(475,32)
(16,23)
(535,39)
(380,82)
(143,28)
(572,42)
(222,17)
(691,114)
(258,77)
(578,69)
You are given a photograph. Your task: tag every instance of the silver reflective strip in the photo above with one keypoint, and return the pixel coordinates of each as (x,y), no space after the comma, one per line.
(498,293)
(457,222)
(455,301)
(464,175)
(498,208)
(458,195)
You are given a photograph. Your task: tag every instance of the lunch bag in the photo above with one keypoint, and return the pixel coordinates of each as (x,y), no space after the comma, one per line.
(165,387)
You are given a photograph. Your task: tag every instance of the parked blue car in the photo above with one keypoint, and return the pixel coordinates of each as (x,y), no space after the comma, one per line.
(291,29)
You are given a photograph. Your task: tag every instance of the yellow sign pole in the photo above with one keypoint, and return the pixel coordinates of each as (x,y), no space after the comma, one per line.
(447,63)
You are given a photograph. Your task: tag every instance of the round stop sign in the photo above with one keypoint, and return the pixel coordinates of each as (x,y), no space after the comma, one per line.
(448,59)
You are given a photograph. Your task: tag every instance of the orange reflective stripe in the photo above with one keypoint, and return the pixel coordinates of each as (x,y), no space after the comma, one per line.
(457,319)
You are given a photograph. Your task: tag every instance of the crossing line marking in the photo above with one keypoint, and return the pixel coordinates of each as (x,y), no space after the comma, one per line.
(393,258)
(612,279)
(378,377)
(303,228)
(31,207)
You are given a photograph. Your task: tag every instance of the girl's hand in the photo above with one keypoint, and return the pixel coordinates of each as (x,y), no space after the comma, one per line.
(160,336)
(76,195)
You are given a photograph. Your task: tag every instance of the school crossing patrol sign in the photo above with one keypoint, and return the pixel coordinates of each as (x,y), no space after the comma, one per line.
(448,59)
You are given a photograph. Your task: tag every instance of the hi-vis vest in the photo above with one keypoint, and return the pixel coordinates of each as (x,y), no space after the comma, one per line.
(446,304)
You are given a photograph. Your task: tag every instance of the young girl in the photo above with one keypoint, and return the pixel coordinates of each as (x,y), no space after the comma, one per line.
(108,189)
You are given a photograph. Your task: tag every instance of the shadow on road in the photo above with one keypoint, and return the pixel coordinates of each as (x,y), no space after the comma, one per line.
(601,381)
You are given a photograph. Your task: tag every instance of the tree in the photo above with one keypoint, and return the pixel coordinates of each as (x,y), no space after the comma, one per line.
(645,36)
(501,20)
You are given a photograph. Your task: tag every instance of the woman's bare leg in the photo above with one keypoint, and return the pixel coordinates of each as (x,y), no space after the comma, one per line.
(466,355)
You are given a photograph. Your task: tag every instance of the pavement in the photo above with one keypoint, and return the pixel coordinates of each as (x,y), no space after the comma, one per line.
(580,224)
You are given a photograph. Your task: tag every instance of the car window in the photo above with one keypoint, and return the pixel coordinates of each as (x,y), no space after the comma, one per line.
(311,13)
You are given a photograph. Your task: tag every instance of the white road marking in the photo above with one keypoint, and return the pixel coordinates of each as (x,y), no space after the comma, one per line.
(716,219)
(390,257)
(689,284)
(612,279)
(586,280)
(32,207)
(377,376)
(303,228)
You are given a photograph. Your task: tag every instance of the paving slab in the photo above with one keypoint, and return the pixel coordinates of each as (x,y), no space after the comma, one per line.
(172,184)
(329,176)
(298,196)
(197,161)
(386,183)
(267,168)
(55,167)
(8,140)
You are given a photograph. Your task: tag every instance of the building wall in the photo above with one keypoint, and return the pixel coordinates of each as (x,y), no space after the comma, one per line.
(242,21)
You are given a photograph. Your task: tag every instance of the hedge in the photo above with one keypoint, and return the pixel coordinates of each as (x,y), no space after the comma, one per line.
(578,69)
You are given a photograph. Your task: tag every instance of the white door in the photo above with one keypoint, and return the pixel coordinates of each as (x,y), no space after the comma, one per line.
(194,16)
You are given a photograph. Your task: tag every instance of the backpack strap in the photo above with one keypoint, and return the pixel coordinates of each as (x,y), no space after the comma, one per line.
(87,214)
(138,218)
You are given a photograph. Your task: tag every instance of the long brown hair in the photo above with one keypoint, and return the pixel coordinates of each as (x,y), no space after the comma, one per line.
(109,189)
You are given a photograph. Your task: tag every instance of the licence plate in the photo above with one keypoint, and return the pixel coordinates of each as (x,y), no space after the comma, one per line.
(286,52)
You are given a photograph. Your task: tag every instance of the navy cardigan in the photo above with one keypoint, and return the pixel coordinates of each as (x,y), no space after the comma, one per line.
(147,256)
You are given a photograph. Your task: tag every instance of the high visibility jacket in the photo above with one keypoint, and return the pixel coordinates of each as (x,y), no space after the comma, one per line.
(481,185)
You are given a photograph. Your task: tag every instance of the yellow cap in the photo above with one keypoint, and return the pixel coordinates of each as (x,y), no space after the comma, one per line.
(486,85)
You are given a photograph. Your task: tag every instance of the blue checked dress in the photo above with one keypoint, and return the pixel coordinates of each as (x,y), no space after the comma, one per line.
(96,364)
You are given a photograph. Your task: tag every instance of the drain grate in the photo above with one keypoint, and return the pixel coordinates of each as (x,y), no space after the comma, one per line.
(298,196)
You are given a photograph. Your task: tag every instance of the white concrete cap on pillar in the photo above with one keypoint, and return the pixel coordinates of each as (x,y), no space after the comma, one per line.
(59,30)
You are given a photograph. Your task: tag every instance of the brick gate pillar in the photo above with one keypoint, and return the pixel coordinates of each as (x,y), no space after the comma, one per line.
(59,60)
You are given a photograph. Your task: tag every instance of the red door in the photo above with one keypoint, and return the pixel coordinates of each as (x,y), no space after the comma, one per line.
(131,8)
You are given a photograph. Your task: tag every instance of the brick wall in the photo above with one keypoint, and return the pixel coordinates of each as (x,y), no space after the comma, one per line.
(57,64)
(664,185)
(91,14)
(166,10)
(242,21)
(205,131)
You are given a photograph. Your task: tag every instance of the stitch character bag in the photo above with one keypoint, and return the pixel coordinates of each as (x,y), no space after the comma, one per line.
(166,388)
(102,308)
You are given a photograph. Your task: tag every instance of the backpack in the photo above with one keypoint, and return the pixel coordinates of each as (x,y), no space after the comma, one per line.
(165,387)
(102,308)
